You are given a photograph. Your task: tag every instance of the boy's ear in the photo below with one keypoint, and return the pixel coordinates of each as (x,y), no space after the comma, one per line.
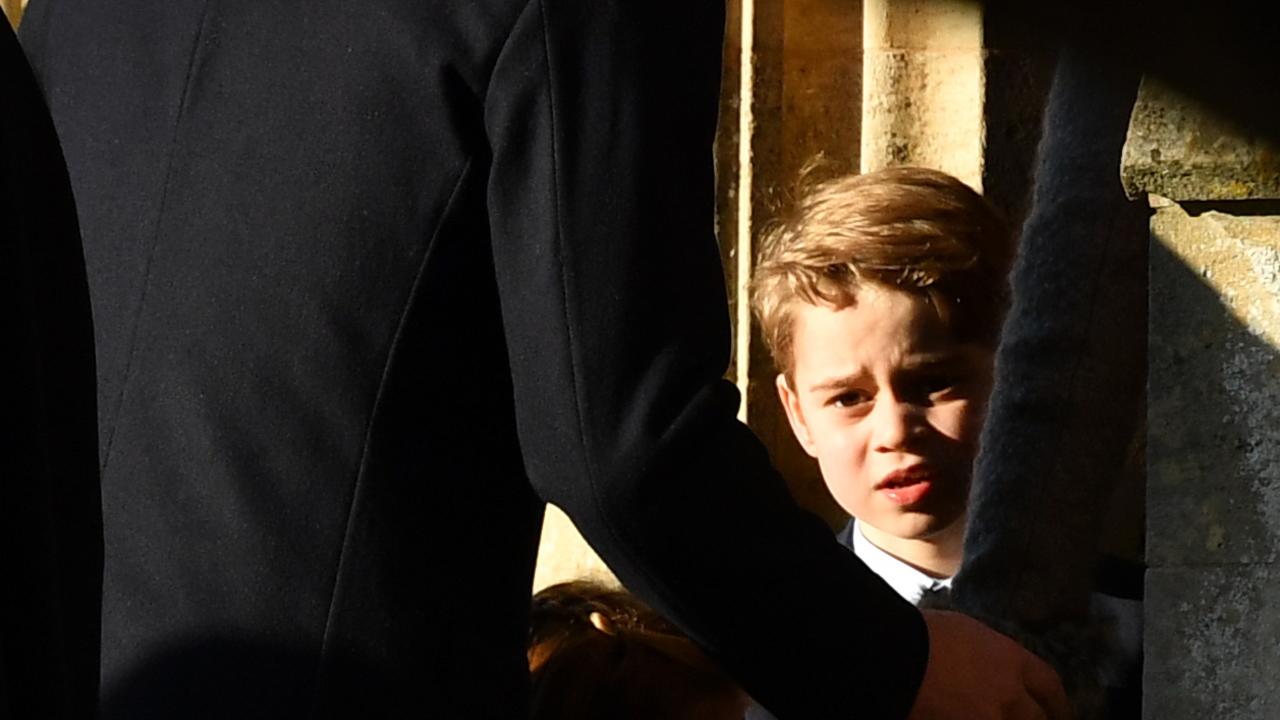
(791,404)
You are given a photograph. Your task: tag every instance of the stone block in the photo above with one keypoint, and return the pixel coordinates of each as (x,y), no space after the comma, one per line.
(1212,643)
(922,24)
(1181,151)
(1213,488)
(923,86)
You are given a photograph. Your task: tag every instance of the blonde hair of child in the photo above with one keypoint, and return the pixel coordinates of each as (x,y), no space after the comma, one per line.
(909,228)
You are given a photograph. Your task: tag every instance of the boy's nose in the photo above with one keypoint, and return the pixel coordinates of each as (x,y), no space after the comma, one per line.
(894,424)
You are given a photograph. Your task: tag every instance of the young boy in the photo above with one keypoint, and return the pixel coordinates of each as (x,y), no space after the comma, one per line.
(881,297)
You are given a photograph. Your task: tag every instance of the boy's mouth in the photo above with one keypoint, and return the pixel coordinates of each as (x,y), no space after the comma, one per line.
(907,486)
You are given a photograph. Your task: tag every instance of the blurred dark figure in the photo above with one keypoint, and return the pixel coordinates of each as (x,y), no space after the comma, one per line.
(373,281)
(50,515)
(1067,399)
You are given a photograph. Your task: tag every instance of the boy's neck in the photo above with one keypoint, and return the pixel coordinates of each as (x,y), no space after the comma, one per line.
(938,555)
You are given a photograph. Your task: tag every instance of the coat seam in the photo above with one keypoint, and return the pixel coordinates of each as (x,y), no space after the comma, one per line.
(588,462)
(352,500)
(134,329)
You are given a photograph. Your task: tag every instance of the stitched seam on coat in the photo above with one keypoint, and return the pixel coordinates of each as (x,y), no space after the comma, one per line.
(590,467)
(373,414)
(127,378)
(561,255)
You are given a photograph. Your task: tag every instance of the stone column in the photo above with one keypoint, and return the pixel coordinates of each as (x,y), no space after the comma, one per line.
(923,86)
(1212,618)
(793,93)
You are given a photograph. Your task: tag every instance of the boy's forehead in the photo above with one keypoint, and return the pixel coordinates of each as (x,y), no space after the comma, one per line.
(873,311)
(880,327)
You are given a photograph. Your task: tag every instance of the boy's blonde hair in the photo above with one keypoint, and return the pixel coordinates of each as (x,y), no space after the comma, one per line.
(914,229)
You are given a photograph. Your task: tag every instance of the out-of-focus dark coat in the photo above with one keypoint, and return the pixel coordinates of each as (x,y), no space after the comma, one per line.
(373,281)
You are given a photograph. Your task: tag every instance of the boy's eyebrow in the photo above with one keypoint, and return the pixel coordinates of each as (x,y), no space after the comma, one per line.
(934,360)
(838,383)
(942,360)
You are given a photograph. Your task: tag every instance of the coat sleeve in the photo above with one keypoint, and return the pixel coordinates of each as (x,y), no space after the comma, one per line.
(1071,364)
(1068,391)
(600,116)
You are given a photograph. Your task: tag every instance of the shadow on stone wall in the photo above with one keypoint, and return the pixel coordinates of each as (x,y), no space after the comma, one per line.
(1213,487)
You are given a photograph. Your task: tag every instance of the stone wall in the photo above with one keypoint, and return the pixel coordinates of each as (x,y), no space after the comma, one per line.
(1213,488)
(924,86)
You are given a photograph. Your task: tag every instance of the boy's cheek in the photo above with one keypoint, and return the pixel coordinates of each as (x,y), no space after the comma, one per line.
(960,420)
(974,419)
(842,472)
(832,446)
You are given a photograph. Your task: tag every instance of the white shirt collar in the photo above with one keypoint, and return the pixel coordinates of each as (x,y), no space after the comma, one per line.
(906,580)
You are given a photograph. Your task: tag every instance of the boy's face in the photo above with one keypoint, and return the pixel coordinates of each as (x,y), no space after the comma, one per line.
(891,407)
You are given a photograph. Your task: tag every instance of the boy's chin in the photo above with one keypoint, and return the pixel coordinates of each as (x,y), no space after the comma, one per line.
(922,526)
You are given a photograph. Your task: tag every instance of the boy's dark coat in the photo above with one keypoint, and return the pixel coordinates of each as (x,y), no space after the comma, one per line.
(372,279)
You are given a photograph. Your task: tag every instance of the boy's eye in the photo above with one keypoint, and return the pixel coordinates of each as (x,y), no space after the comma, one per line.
(935,384)
(927,389)
(850,398)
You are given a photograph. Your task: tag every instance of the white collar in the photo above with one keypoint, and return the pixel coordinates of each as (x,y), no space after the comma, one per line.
(907,581)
